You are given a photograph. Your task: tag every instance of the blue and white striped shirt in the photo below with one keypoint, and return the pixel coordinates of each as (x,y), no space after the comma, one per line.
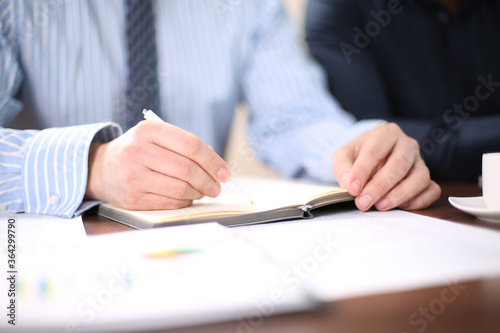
(63,74)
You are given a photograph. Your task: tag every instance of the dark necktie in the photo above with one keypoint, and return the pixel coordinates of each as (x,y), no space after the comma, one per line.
(142,89)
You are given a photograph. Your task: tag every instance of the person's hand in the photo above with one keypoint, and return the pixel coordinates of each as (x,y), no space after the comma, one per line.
(383,168)
(154,165)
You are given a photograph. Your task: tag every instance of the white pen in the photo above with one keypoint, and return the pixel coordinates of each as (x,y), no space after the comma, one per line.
(230,184)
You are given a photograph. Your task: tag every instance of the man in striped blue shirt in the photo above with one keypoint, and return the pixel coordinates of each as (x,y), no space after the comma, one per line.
(63,77)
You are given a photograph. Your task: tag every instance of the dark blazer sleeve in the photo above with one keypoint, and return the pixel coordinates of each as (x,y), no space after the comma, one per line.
(329,31)
(451,152)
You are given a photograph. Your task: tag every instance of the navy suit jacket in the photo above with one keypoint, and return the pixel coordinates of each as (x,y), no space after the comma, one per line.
(435,73)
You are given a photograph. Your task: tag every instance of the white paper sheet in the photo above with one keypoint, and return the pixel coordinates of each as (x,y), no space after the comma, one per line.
(25,239)
(68,282)
(149,279)
(348,254)
(42,229)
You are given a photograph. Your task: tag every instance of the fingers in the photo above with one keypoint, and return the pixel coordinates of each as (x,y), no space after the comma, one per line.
(372,154)
(416,182)
(424,199)
(151,201)
(179,167)
(159,184)
(154,165)
(179,154)
(189,145)
(145,189)
(383,167)
(404,156)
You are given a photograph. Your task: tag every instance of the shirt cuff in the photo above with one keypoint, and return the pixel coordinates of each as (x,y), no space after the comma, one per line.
(55,167)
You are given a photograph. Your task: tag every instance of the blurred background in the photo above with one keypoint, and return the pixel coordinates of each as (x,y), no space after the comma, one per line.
(238,153)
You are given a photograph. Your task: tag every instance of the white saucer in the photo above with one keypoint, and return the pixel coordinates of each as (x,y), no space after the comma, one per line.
(475,206)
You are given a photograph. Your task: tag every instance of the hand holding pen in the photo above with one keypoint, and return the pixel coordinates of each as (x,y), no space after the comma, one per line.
(229,184)
(154,165)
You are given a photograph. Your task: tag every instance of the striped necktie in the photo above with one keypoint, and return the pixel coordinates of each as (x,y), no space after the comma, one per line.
(142,89)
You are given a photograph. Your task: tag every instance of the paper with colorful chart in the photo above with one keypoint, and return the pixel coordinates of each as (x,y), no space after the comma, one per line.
(167,277)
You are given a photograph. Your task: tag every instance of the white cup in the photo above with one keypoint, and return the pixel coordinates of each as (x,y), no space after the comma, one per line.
(491,180)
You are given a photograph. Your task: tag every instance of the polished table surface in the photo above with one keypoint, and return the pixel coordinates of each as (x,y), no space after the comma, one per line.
(476,309)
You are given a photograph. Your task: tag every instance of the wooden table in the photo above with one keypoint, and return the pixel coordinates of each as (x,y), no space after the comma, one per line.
(476,309)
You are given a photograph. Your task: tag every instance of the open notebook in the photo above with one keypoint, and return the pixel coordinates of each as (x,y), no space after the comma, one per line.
(275,200)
